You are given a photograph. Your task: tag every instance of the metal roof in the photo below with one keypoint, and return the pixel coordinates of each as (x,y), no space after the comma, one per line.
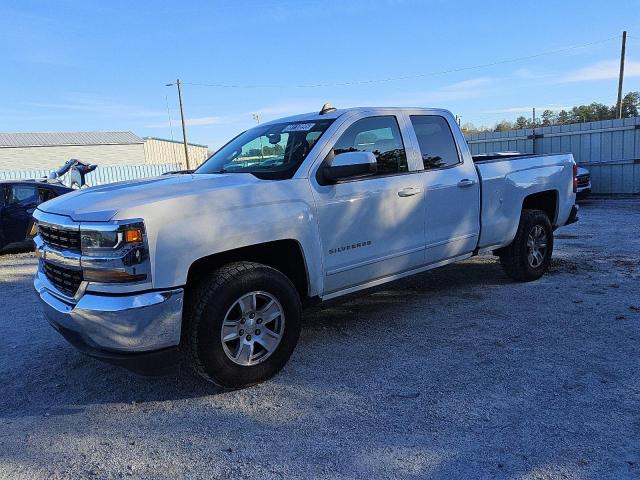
(53,139)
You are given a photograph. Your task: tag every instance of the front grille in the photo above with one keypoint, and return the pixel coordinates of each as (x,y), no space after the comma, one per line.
(583,181)
(60,237)
(67,280)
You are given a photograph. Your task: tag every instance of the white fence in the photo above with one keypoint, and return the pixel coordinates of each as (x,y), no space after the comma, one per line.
(610,149)
(101,175)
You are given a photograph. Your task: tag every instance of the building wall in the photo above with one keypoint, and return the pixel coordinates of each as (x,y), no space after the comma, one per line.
(48,158)
(101,176)
(166,151)
(610,149)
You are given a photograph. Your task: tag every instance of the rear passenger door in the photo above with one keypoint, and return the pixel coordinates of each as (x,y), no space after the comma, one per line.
(451,186)
(371,227)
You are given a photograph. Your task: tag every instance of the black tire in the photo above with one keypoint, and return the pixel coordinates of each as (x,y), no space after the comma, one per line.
(206,308)
(515,257)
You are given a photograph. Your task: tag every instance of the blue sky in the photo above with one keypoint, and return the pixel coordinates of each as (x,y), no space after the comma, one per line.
(97,65)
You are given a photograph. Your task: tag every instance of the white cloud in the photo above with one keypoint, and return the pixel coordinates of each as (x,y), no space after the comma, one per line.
(527,74)
(291,107)
(97,105)
(267,113)
(463,90)
(205,121)
(603,70)
(553,108)
(471,84)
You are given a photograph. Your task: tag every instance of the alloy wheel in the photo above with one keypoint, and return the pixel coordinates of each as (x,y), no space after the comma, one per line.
(252,328)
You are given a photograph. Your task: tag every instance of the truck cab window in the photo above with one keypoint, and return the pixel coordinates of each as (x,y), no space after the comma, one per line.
(437,145)
(380,136)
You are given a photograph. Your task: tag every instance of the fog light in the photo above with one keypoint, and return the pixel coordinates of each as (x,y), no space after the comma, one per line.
(111,276)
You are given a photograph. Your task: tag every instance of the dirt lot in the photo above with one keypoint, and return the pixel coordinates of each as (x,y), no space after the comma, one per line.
(456,373)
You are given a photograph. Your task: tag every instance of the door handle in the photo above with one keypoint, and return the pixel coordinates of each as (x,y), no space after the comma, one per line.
(409,191)
(466,182)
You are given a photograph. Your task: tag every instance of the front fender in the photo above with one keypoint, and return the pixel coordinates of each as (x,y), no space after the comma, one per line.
(184,230)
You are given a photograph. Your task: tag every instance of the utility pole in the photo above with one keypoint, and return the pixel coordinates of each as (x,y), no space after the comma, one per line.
(256,117)
(534,117)
(184,127)
(621,78)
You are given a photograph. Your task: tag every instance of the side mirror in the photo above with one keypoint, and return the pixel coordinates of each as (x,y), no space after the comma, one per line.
(349,164)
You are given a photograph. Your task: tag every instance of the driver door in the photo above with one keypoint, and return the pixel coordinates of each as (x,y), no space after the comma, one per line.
(21,202)
(371,227)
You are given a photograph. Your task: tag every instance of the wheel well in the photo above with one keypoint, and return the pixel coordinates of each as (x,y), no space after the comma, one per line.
(545,201)
(283,255)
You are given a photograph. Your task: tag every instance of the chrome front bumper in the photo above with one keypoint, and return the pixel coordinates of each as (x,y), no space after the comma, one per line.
(584,188)
(127,324)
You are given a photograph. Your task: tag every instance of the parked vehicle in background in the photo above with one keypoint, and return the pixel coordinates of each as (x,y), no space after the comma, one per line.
(218,264)
(584,183)
(18,201)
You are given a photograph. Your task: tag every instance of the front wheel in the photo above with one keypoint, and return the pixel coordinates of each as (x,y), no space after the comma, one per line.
(242,324)
(527,258)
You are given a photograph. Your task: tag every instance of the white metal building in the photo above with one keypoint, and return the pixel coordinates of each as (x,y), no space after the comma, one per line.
(160,150)
(45,151)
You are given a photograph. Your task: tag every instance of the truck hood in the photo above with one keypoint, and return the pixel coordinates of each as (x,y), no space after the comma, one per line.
(101,204)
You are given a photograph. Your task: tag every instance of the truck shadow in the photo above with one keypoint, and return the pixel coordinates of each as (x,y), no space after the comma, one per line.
(58,380)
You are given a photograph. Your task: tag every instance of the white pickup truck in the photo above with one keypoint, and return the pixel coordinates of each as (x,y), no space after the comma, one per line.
(215,266)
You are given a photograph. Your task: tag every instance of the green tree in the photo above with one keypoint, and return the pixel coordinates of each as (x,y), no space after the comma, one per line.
(522,122)
(563,117)
(591,113)
(503,126)
(549,118)
(468,128)
(580,113)
(631,104)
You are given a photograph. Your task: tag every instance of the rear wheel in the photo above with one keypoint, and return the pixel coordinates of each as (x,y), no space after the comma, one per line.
(528,256)
(242,324)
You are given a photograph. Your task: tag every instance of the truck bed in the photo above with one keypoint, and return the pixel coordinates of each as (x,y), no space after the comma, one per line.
(508,178)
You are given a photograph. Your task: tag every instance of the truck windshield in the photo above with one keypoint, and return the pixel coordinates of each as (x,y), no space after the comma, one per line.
(273,151)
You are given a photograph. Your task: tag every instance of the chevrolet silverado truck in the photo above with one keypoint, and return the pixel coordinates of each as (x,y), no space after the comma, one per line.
(215,266)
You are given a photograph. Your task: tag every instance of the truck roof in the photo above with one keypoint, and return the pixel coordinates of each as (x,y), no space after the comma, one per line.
(341,111)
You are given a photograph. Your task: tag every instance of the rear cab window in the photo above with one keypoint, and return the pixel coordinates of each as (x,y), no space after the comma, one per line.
(437,146)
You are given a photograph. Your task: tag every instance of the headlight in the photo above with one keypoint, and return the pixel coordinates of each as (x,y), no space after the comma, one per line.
(115,252)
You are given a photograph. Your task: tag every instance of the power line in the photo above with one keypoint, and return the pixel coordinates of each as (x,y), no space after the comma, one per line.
(166,99)
(407,77)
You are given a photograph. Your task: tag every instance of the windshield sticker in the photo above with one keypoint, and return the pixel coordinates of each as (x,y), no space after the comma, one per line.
(298,127)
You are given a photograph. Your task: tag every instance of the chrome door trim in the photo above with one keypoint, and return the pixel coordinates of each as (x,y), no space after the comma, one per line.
(450,240)
(374,260)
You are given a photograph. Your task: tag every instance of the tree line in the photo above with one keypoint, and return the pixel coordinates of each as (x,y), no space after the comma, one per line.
(578,114)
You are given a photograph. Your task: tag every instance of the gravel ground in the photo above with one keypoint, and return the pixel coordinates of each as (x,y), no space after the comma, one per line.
(456,373)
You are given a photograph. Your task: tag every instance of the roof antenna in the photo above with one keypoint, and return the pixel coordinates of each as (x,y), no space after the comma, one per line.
(327,108)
